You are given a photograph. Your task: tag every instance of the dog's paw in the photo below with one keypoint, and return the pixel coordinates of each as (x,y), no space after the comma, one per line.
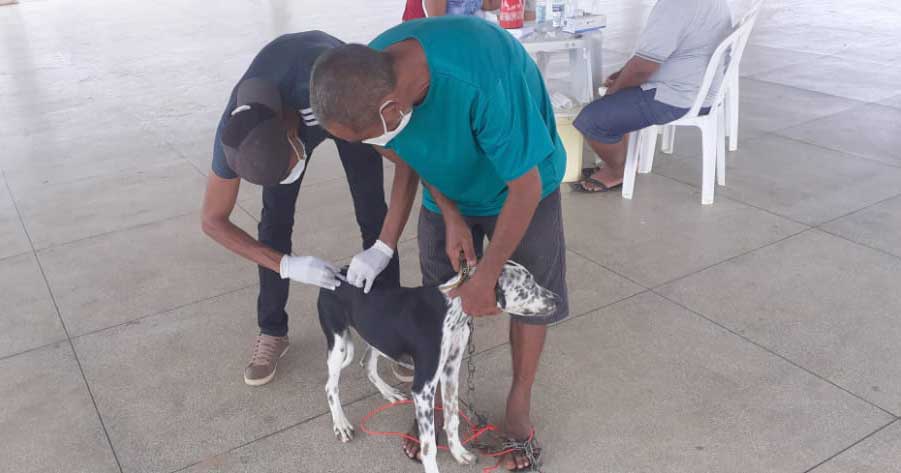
(464,456)
(344,431)
(394,395)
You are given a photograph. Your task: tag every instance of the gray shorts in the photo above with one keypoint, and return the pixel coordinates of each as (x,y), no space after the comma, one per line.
(542,251)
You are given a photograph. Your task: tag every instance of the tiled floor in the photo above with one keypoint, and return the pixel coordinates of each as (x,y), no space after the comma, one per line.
(757,335)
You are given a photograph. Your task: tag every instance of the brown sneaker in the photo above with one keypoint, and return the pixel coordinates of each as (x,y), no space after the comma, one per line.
(266,354)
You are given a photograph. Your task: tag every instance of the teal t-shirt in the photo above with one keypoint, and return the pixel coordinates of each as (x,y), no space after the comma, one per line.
(486,119)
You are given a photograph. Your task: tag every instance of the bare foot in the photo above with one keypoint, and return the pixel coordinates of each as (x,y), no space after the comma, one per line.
(524,456)
(411,448)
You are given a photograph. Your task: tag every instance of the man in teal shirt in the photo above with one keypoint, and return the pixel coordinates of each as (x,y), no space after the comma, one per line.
(459,104)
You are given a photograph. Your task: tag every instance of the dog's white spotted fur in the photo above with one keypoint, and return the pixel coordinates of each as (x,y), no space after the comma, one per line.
(518,294)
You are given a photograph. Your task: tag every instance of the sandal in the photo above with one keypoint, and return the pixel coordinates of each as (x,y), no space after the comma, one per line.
(587,172)
(527,449)
(598,186)
(403,369)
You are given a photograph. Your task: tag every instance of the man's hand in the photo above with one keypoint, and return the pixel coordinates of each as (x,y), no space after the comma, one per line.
(610,80)
(478,296)
(309,270)
(367,265)
(458,239)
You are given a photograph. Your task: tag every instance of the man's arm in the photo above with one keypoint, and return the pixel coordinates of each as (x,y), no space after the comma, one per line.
(524,194)
(636,72)
(218,204)
(403,193)
(458,237)
(490,5)
(435,7)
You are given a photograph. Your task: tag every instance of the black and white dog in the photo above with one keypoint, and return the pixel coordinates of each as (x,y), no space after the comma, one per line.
(430,327)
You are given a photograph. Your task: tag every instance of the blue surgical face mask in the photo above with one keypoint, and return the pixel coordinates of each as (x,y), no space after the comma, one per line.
(386,137)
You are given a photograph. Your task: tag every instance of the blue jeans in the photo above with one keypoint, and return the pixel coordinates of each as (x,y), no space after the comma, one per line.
(609,118)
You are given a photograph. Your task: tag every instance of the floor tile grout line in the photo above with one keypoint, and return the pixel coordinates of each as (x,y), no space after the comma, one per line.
(598,263)
(869,247)
(771,212)
(62,322)
(679,278)
(731,258)
(866,437)
(163,312)
(859,210)
(740,201)
(279,431)
(852,154)
(17,255)
(116,231)
(35,348)
(755,77)
(776,354)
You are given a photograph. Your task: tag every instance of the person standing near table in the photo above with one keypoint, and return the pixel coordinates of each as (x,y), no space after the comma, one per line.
(428,8)
(266,136)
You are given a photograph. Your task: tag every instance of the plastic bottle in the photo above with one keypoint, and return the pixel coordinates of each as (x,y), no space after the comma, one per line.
(558,12)
(512,13)
(540,11)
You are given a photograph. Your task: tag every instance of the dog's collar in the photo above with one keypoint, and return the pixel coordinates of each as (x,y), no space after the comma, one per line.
(466,272)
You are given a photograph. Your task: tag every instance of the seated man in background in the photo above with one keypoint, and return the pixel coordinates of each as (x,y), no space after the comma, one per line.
(656,86)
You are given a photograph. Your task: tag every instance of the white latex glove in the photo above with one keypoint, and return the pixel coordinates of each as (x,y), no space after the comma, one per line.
(309,270)
(368,264)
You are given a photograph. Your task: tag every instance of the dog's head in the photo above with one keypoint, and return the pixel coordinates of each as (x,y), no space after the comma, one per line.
(519,294)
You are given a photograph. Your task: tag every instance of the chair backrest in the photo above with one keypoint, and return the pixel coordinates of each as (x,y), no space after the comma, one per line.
(734,44)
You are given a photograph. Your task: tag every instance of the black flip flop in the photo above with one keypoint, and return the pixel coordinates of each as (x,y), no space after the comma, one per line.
(601,187)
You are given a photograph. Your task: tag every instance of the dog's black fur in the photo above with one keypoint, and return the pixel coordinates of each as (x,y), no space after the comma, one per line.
(396,321)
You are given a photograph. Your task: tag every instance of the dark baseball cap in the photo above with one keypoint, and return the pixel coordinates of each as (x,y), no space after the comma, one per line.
(254,138)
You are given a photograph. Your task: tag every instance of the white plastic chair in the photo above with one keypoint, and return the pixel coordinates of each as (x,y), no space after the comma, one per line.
(642,144)
(732,86)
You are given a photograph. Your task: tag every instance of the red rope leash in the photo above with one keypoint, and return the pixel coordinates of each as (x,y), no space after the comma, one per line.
(476,432)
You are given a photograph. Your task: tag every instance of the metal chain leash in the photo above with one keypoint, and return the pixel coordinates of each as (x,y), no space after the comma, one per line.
(481,419)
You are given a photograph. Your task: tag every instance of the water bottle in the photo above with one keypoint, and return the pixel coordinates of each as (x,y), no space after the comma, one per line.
(558,11)
(540,11)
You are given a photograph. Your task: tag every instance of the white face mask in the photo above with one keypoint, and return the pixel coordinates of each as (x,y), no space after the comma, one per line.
(295,173)
(384,139)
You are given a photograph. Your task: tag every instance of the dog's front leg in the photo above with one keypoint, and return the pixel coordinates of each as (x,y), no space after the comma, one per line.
(450,381)
(424,402)
(344,430)
(388,392)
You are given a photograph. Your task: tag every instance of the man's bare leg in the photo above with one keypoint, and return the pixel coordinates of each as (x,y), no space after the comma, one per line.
(614,157)
(526,345)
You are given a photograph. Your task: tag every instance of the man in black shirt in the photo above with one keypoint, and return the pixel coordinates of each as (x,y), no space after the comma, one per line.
(266,136)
